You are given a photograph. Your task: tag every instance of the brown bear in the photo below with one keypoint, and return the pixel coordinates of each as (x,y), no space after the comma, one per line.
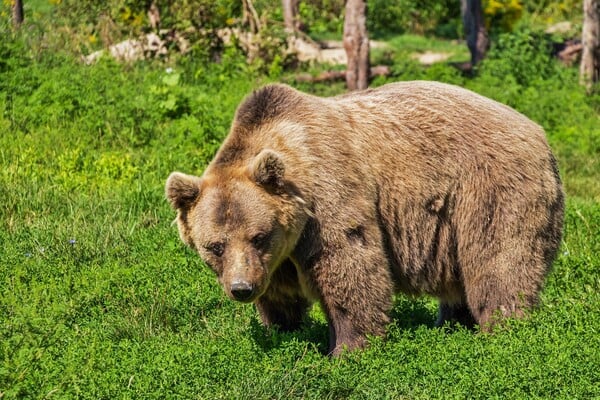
(416,187)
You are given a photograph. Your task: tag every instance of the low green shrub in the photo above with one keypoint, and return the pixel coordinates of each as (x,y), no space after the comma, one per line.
(522,56)
(419,17)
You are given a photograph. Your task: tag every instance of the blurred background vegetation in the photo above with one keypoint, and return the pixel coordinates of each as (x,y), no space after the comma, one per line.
(86,25)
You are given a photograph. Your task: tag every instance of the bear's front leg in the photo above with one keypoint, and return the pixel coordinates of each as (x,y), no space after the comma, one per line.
(283,304)
(355,287)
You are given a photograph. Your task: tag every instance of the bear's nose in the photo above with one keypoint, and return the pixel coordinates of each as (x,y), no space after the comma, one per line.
(241,290)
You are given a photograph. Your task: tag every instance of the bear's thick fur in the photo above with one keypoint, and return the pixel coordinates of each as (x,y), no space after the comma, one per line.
(417,187)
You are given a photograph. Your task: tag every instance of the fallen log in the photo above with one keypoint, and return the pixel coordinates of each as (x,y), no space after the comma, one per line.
(327,76)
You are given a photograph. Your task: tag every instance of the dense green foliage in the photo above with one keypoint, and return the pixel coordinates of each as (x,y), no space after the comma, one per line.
(87,25)
(101,300)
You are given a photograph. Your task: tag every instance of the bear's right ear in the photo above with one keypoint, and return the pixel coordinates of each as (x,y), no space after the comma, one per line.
(182,190)
(267,169)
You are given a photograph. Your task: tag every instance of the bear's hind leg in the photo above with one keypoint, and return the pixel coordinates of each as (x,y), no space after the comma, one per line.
(283,304)
(492,298)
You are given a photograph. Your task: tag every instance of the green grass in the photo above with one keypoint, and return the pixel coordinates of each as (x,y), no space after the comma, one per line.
(410,43)
(101,300)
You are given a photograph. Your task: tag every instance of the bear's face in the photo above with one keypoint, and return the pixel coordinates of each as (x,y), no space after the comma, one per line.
(241,221)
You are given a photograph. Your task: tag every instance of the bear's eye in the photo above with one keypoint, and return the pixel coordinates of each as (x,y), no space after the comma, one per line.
(217,248)
(260,240)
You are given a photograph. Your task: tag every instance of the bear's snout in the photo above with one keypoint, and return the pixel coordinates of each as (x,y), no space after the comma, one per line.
(242,291)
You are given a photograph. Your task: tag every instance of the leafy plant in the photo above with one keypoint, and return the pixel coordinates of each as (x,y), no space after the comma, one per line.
(523,56)
(502,15)
(424,17)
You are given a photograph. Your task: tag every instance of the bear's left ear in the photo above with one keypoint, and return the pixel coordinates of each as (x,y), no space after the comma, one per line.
(267,169)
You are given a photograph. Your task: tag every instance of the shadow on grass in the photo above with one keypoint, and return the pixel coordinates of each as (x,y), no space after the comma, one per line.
(312,331)
(407,314)
(410,314)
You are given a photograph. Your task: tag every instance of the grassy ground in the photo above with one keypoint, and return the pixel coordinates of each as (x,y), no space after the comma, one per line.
(101,300)
(415,44)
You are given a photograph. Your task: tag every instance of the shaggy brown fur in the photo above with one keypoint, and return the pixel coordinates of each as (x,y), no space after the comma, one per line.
(418,187)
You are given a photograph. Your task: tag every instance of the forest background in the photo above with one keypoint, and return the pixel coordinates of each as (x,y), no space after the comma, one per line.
(100,299)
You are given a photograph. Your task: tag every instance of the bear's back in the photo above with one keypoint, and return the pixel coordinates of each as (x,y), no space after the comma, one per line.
(438,111)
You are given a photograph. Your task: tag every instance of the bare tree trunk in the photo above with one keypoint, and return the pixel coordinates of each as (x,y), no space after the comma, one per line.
(474,26)
(290,15)
(250,16)
(154,17)
(590,58)
(356,44)
(18,15)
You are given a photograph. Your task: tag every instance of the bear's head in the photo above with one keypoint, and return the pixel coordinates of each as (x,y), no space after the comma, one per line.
(244,221)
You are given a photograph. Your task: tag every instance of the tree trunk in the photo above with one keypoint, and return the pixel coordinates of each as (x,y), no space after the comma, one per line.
(356,44)
(18,15)
(250,16)
(474,26)
(590,58)
(154,17)
(290,15)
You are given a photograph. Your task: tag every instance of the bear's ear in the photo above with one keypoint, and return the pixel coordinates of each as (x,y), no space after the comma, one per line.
(182,190)
(267,169)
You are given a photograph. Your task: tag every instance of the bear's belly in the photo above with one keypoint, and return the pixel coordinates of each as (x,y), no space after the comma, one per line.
(416,284)
(421,246)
